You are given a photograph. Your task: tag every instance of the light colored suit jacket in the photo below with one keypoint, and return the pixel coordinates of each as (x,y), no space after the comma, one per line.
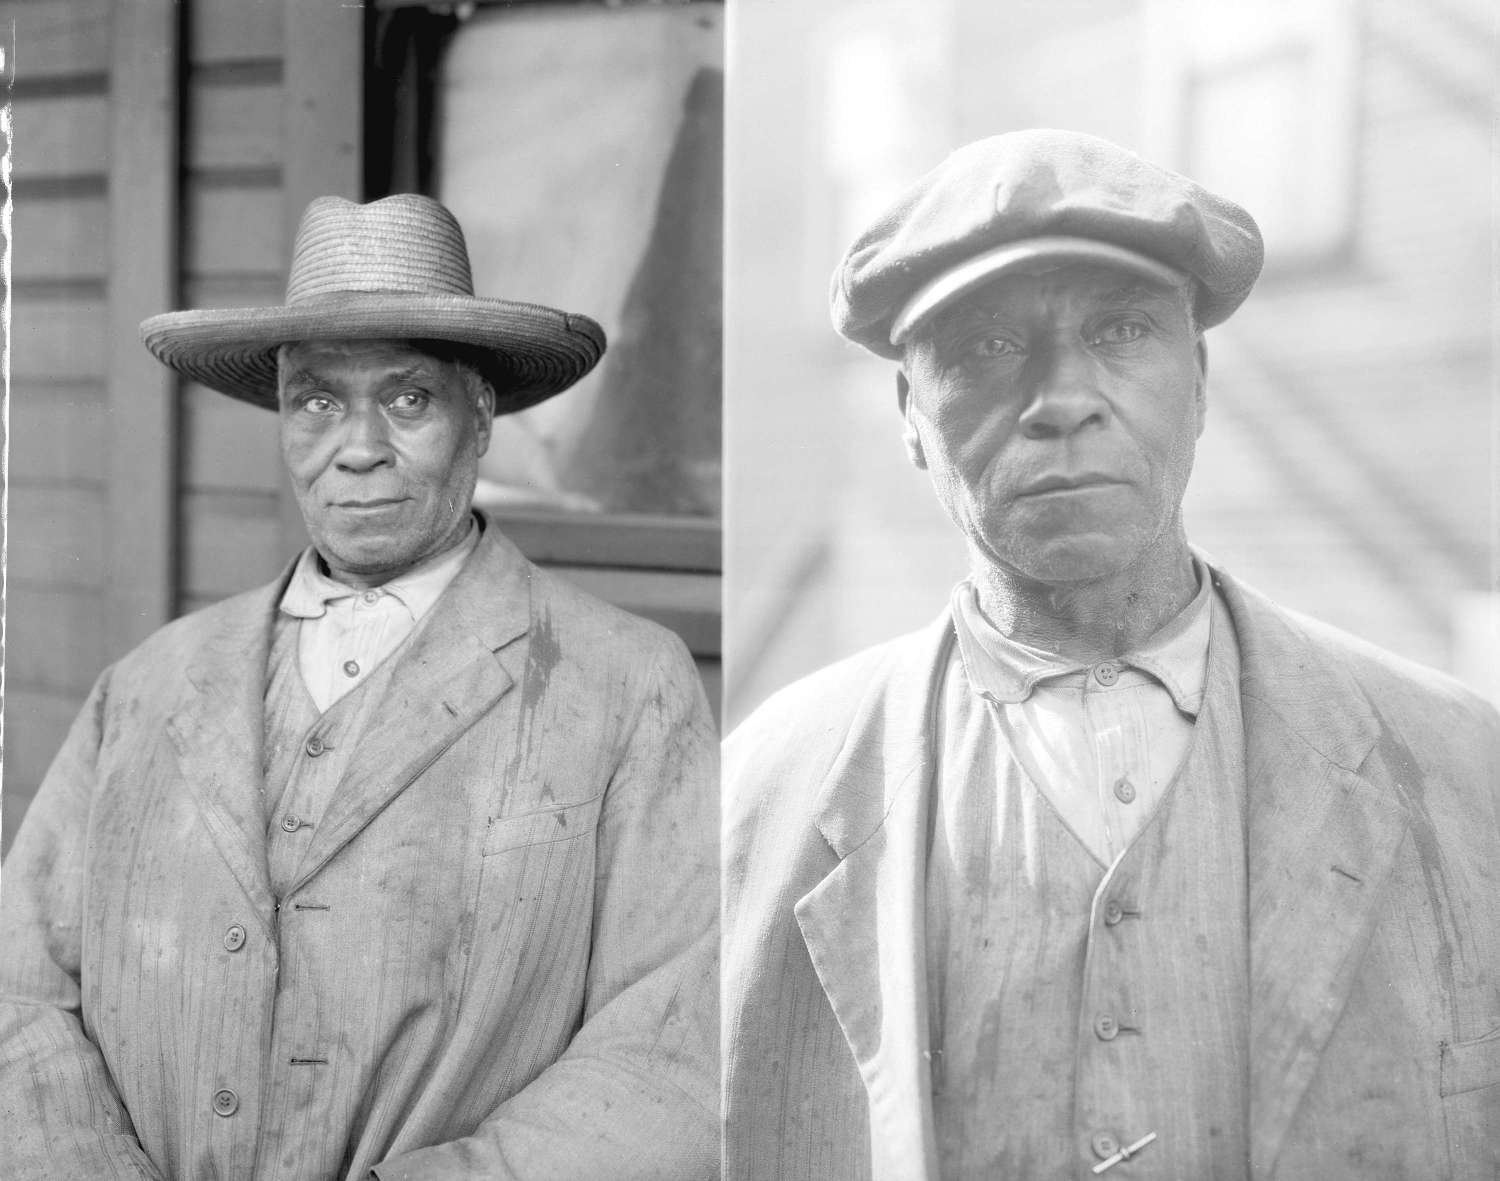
(1374,870)
(498,956)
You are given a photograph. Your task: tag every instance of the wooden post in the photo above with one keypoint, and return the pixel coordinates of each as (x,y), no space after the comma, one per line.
(322,130)
(141,395)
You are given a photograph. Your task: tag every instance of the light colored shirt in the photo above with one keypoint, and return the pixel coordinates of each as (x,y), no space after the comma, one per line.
(1101,742)
(345,632)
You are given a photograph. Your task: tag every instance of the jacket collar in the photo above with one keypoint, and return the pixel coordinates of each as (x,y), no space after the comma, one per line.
(1322,841)
(459,664)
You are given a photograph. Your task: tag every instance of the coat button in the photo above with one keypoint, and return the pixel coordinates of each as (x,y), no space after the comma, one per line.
(290,823)
(1107,673)
(1106,1027)
(1104,1145)
(234,938)
(226,1102)
(1124,790)
(1113,913)
(315,746)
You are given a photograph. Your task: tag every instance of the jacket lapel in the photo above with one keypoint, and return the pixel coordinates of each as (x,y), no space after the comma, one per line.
(1322,841)
(217,733)
(459,664)
(864,924)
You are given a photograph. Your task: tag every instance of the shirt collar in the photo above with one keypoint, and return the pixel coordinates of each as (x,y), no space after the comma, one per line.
(1176,655)
(311,590)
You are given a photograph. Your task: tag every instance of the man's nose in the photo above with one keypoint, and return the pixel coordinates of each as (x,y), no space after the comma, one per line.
(1063,395)
(366,442)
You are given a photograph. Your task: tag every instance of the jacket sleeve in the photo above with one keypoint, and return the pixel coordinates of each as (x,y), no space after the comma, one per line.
(636,1093)
(58,1105)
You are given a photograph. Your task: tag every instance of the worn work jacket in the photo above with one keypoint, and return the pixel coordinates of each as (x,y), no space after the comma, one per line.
(496,960)
(1373,855)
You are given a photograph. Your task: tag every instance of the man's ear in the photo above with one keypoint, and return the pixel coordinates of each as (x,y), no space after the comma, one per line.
(1202,392)
(484,416)
(909,436)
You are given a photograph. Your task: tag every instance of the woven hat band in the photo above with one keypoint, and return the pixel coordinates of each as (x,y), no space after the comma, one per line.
(404,244)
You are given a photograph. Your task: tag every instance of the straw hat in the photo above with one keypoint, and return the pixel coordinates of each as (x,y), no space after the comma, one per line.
(395,269)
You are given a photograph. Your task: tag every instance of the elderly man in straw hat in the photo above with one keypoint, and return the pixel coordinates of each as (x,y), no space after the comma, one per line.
(1117,869)
(402,866)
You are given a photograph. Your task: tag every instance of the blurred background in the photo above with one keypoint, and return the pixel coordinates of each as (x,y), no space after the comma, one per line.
(1348,467)
(161,156)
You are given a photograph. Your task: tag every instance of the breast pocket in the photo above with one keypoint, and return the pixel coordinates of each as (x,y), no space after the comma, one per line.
(545,826)
(1470,1086)
(1470,1066)
(533,914)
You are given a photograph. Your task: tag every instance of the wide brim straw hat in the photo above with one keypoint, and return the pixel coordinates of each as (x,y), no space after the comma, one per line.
(393,269)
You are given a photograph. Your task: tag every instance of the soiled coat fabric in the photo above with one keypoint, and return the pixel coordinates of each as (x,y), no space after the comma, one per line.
(496,960)
(1373,854)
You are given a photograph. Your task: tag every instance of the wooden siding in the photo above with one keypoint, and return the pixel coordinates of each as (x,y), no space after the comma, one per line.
(92,441)
(59,436)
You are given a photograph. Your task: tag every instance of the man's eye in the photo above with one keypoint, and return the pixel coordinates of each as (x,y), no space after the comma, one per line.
(1120,332)
(993,346)
(316,403)
(410,400)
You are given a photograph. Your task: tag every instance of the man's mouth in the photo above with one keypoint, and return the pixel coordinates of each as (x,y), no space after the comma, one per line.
(370,504)
(1049,485)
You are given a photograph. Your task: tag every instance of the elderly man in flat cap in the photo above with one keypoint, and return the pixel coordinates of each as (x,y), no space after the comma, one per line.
(403,866)
(1117,868)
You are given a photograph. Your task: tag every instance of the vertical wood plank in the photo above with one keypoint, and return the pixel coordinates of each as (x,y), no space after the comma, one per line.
(145,84)
(322,130)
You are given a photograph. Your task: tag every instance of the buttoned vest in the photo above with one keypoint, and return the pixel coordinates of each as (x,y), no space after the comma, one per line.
(1076,1010)
(305,752)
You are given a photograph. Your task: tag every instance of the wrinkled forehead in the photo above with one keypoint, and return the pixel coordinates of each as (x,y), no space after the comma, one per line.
(1040,290)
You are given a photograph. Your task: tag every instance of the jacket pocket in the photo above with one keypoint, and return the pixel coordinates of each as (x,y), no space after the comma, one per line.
(1470,1066)
(542,827)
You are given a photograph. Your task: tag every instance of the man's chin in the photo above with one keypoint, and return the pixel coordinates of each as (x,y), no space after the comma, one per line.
(366,556)
(1078,558)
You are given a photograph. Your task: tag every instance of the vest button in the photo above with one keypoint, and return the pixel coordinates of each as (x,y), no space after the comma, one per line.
(234,938)
(226,1102)
(1124,790)
(1107,673)
(1104,1145)
(290,823)
(1106,1027)
(1113,913)
(315,746)
(351,668)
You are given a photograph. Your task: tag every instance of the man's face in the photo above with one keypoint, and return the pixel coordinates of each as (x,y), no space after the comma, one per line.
(382,443)
(1057,412)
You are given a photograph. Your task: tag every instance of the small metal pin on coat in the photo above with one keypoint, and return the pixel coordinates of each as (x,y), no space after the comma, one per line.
(1125,1153)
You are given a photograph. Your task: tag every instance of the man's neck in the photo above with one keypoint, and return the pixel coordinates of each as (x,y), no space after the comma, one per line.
(1093,620)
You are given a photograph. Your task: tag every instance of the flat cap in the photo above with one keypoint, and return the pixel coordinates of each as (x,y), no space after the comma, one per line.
(1032,194)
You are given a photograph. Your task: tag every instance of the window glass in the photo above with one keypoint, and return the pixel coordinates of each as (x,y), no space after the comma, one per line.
(580,146)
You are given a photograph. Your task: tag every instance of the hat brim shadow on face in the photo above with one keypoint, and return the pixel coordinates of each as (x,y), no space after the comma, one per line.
(953,284)
(527,352)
